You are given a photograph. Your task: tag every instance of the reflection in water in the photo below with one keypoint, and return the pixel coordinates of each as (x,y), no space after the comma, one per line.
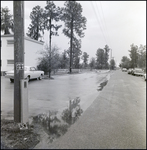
(71,114)
(55,126)
(102,85)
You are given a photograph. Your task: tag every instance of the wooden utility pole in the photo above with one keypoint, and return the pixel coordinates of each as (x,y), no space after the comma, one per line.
(18,8)
(50,65)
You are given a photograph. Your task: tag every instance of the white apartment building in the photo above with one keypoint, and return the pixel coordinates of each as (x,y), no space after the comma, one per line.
(32,50)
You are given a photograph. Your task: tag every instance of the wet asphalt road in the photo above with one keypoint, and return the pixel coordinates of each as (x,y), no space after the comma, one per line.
(115,120)
(54,94)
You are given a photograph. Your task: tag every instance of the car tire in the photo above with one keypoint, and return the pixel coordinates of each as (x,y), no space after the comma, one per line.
(11,80)
(28,78)
(41,76)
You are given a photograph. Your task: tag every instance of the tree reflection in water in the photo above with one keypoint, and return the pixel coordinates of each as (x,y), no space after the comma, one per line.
(53,125)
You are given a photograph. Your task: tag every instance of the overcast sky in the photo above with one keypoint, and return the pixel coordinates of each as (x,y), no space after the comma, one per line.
(115,23)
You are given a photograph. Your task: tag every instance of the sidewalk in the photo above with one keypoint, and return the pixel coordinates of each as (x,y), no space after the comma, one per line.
(116,119)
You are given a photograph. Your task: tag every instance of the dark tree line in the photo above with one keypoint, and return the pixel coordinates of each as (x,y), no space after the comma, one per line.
(137,57)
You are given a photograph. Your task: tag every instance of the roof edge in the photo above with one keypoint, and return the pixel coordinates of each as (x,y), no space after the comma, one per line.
(27,38)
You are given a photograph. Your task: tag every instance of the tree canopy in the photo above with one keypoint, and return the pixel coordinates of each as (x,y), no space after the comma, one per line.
(7,22)
(137,57)
(133,55)
(36,26)
(92,63)
(85,57)
(41,20)
(112,64)
(100,58)
(125,62)
(106,56)
(45,59)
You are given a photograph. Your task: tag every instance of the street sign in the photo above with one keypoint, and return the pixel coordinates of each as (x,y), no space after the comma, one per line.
(19,66)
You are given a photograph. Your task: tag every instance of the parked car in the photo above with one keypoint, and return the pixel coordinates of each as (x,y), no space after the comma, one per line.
(144,76)
(130,70)
(137,71)
(124,69)
(30,72)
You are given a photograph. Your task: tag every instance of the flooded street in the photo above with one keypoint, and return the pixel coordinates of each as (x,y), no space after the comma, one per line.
(54,95)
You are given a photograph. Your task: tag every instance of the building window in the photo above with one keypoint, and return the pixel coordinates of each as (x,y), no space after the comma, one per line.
(10,42)
(10,61)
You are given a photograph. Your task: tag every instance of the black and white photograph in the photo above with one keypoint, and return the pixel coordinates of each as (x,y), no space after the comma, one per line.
(73,74)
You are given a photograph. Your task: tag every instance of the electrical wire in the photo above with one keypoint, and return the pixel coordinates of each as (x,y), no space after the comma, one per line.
(105,23)
(102,30)
(98,22)
(101,18)
(105,27)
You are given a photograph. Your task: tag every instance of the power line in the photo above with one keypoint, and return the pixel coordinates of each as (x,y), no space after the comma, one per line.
(100,16)
(98,21)
(105,23)
(105,28)
(101,28)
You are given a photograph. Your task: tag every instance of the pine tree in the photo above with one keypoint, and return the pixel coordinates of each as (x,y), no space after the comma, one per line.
(36,26)
(85,59)
(51,13)
(74,22)
(7,22)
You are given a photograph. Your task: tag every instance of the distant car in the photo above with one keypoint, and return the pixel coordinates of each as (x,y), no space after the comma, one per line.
(137,71)
(144,75)
(124,69)
(130,70)
(30,72)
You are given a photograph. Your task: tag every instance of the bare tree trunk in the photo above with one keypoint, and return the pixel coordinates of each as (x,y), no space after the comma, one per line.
(71,45)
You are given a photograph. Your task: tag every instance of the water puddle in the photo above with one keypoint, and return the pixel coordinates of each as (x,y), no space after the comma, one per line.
(100,87)
(104,83)
(56,125)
